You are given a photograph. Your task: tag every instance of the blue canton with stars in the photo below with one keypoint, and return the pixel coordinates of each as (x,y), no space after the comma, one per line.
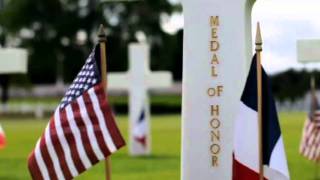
(87,78)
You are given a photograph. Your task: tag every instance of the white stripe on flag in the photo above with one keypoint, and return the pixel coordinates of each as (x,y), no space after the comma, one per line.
(277,161)
(40,162)
(52,154)
(64,144)
(79,144)
(106,135)
(90,129)
(246,137)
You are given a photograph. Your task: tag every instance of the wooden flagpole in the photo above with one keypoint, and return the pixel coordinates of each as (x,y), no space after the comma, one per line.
(259,88)
(103,57)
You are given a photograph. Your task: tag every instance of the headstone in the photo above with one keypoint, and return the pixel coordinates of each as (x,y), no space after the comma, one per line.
(217,52)
(308,50)
(138,80)
(12,61)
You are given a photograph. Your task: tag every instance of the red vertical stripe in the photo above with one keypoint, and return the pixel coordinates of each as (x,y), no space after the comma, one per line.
(95,123)
(33,167)
(2,140)
(60,153)
(84,133)
(71,141)
(109,118)
(242,172)
(47,159)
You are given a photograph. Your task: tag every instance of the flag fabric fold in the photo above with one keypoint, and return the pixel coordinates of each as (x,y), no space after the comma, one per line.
(246,142)
(310,142)
(81,132)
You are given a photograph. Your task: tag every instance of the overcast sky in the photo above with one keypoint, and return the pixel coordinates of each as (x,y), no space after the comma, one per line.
(283,22)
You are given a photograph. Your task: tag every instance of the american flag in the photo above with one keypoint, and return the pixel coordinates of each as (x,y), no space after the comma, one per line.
(81,132)
(140,130)
(310,143)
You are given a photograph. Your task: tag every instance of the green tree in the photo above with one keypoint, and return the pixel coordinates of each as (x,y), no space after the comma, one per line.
(54,30)
(291,84)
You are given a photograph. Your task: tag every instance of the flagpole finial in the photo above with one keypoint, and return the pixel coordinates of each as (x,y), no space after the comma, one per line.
(258,38)
(102,34)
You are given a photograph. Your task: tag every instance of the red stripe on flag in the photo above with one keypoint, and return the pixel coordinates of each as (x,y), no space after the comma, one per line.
(95,123)
(33,167)
(242,172)
(58,148)
(309,146)
(84,133)
(71,141)
(47,159)
(109,118)
(2,140)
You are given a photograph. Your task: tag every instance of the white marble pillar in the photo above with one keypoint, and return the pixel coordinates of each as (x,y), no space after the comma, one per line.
(217,49)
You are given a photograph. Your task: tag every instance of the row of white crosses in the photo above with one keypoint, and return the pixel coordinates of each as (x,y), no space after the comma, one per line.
(138,80)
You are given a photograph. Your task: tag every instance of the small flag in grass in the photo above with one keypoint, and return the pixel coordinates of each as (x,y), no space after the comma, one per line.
(140,129)
(310,142)
(82,130)
(2,138)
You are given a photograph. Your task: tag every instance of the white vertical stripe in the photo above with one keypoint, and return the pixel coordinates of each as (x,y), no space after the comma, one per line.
(106,135)
(76,132)
(40,162)
(64,144)
(52,154)
(246,139)
(278,159)
(90,129)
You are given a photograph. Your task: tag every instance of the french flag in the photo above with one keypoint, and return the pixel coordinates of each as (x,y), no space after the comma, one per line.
(2,138)
(246,137)
(140,129)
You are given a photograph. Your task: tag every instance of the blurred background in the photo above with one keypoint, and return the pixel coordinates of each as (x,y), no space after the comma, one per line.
(59,34)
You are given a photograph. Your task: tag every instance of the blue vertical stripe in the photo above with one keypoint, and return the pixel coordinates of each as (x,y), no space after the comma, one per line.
(271,129)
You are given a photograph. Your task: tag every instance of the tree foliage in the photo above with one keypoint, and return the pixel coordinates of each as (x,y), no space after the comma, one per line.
(51,29)
(291,85)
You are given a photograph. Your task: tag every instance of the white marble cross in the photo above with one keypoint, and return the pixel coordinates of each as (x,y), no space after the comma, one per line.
(138,80)
(217,52)
(308,51)
(13,61)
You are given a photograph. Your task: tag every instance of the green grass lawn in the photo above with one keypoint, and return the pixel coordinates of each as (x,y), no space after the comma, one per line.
(164,164)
